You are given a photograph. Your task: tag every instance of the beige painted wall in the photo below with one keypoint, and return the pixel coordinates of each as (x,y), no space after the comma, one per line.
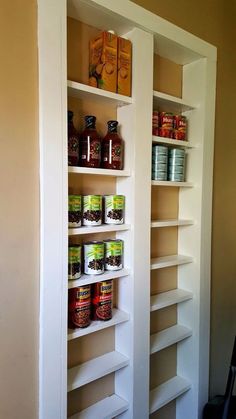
(214,21)
(19,215)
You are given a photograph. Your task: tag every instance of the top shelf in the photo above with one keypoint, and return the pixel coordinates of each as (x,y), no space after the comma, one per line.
(82,91)
(171,103)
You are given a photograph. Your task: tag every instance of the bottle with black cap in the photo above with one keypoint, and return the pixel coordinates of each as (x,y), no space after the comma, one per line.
(112,148)
(90,144)
(73,142)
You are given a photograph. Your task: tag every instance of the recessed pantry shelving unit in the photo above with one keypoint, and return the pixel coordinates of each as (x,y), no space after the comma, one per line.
(100,367)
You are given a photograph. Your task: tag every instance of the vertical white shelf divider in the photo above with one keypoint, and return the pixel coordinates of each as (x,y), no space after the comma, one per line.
(136,129)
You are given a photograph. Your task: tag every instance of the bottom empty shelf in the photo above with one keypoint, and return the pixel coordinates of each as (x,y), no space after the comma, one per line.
(168,391)
(95,368)
(107,408)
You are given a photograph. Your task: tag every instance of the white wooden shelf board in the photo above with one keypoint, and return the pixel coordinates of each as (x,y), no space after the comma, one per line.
(168,298)
(171,260)
(101,172)
(170,141)
(170,223)
(171,183)
(118,317)
(98,229)
(168,391)
(171,103)
(107,408)
(83,91)
(95,368)
(168,337)
(92,279)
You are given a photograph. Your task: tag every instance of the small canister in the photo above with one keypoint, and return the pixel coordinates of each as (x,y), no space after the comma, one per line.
(74,262)
(114,209)
(159,175)
(180,128)
(93,258)
(113,255)
(92,210)
(102,300)
(155,123)
(79,307)
(74,211)
(166,124)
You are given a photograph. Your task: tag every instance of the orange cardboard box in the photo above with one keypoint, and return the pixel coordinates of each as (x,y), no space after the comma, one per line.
(103,61)
(124,67)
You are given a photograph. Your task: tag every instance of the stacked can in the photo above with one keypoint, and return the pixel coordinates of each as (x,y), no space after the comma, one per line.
(159,162)
(176,168)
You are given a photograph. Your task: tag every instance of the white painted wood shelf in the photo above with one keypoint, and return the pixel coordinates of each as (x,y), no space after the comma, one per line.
(100,172)
(170,223)
(168,337)
(95,368)
(169,141)
(92,279)
(168,391)
(107,408)
(171,183)
(171,260)
(118,317)
(168,298)
(83,91)
(104,228)
(171,103)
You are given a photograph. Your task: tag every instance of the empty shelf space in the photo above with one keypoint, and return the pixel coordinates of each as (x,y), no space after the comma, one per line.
(171,260)
(101,172)
(118,317)
(98,229)
(107,408)
(170,223)
(169,141)
(171,103)
(96,368)
(168,337)
(171,183)
(168,298)
(92,279)
(83,91)
(168,391)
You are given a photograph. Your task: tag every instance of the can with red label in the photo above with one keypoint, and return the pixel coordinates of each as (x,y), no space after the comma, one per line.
(155,123)
(79,306)
(166,124)
(180,128)
(102,300)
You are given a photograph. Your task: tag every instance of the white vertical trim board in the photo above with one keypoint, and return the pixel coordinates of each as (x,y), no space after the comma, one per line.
(53,208)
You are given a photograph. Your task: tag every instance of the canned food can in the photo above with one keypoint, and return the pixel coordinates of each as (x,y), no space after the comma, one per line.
(102,300)
(79,307)
(166,124)
(176,177)
(176,169)
(159,166)
(177,152)
(159,149)
(74,211)
(180,128)
(155,122)
(159,176)
(160,158)
(74,262)
(92,210)
(93,258)
(113,255)
(114,209)
(177,161)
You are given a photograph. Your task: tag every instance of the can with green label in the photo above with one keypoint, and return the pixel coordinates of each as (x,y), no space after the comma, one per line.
(74,262)
(74,211)
(114,209)
(113,255)
(94,258)
(92,210)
